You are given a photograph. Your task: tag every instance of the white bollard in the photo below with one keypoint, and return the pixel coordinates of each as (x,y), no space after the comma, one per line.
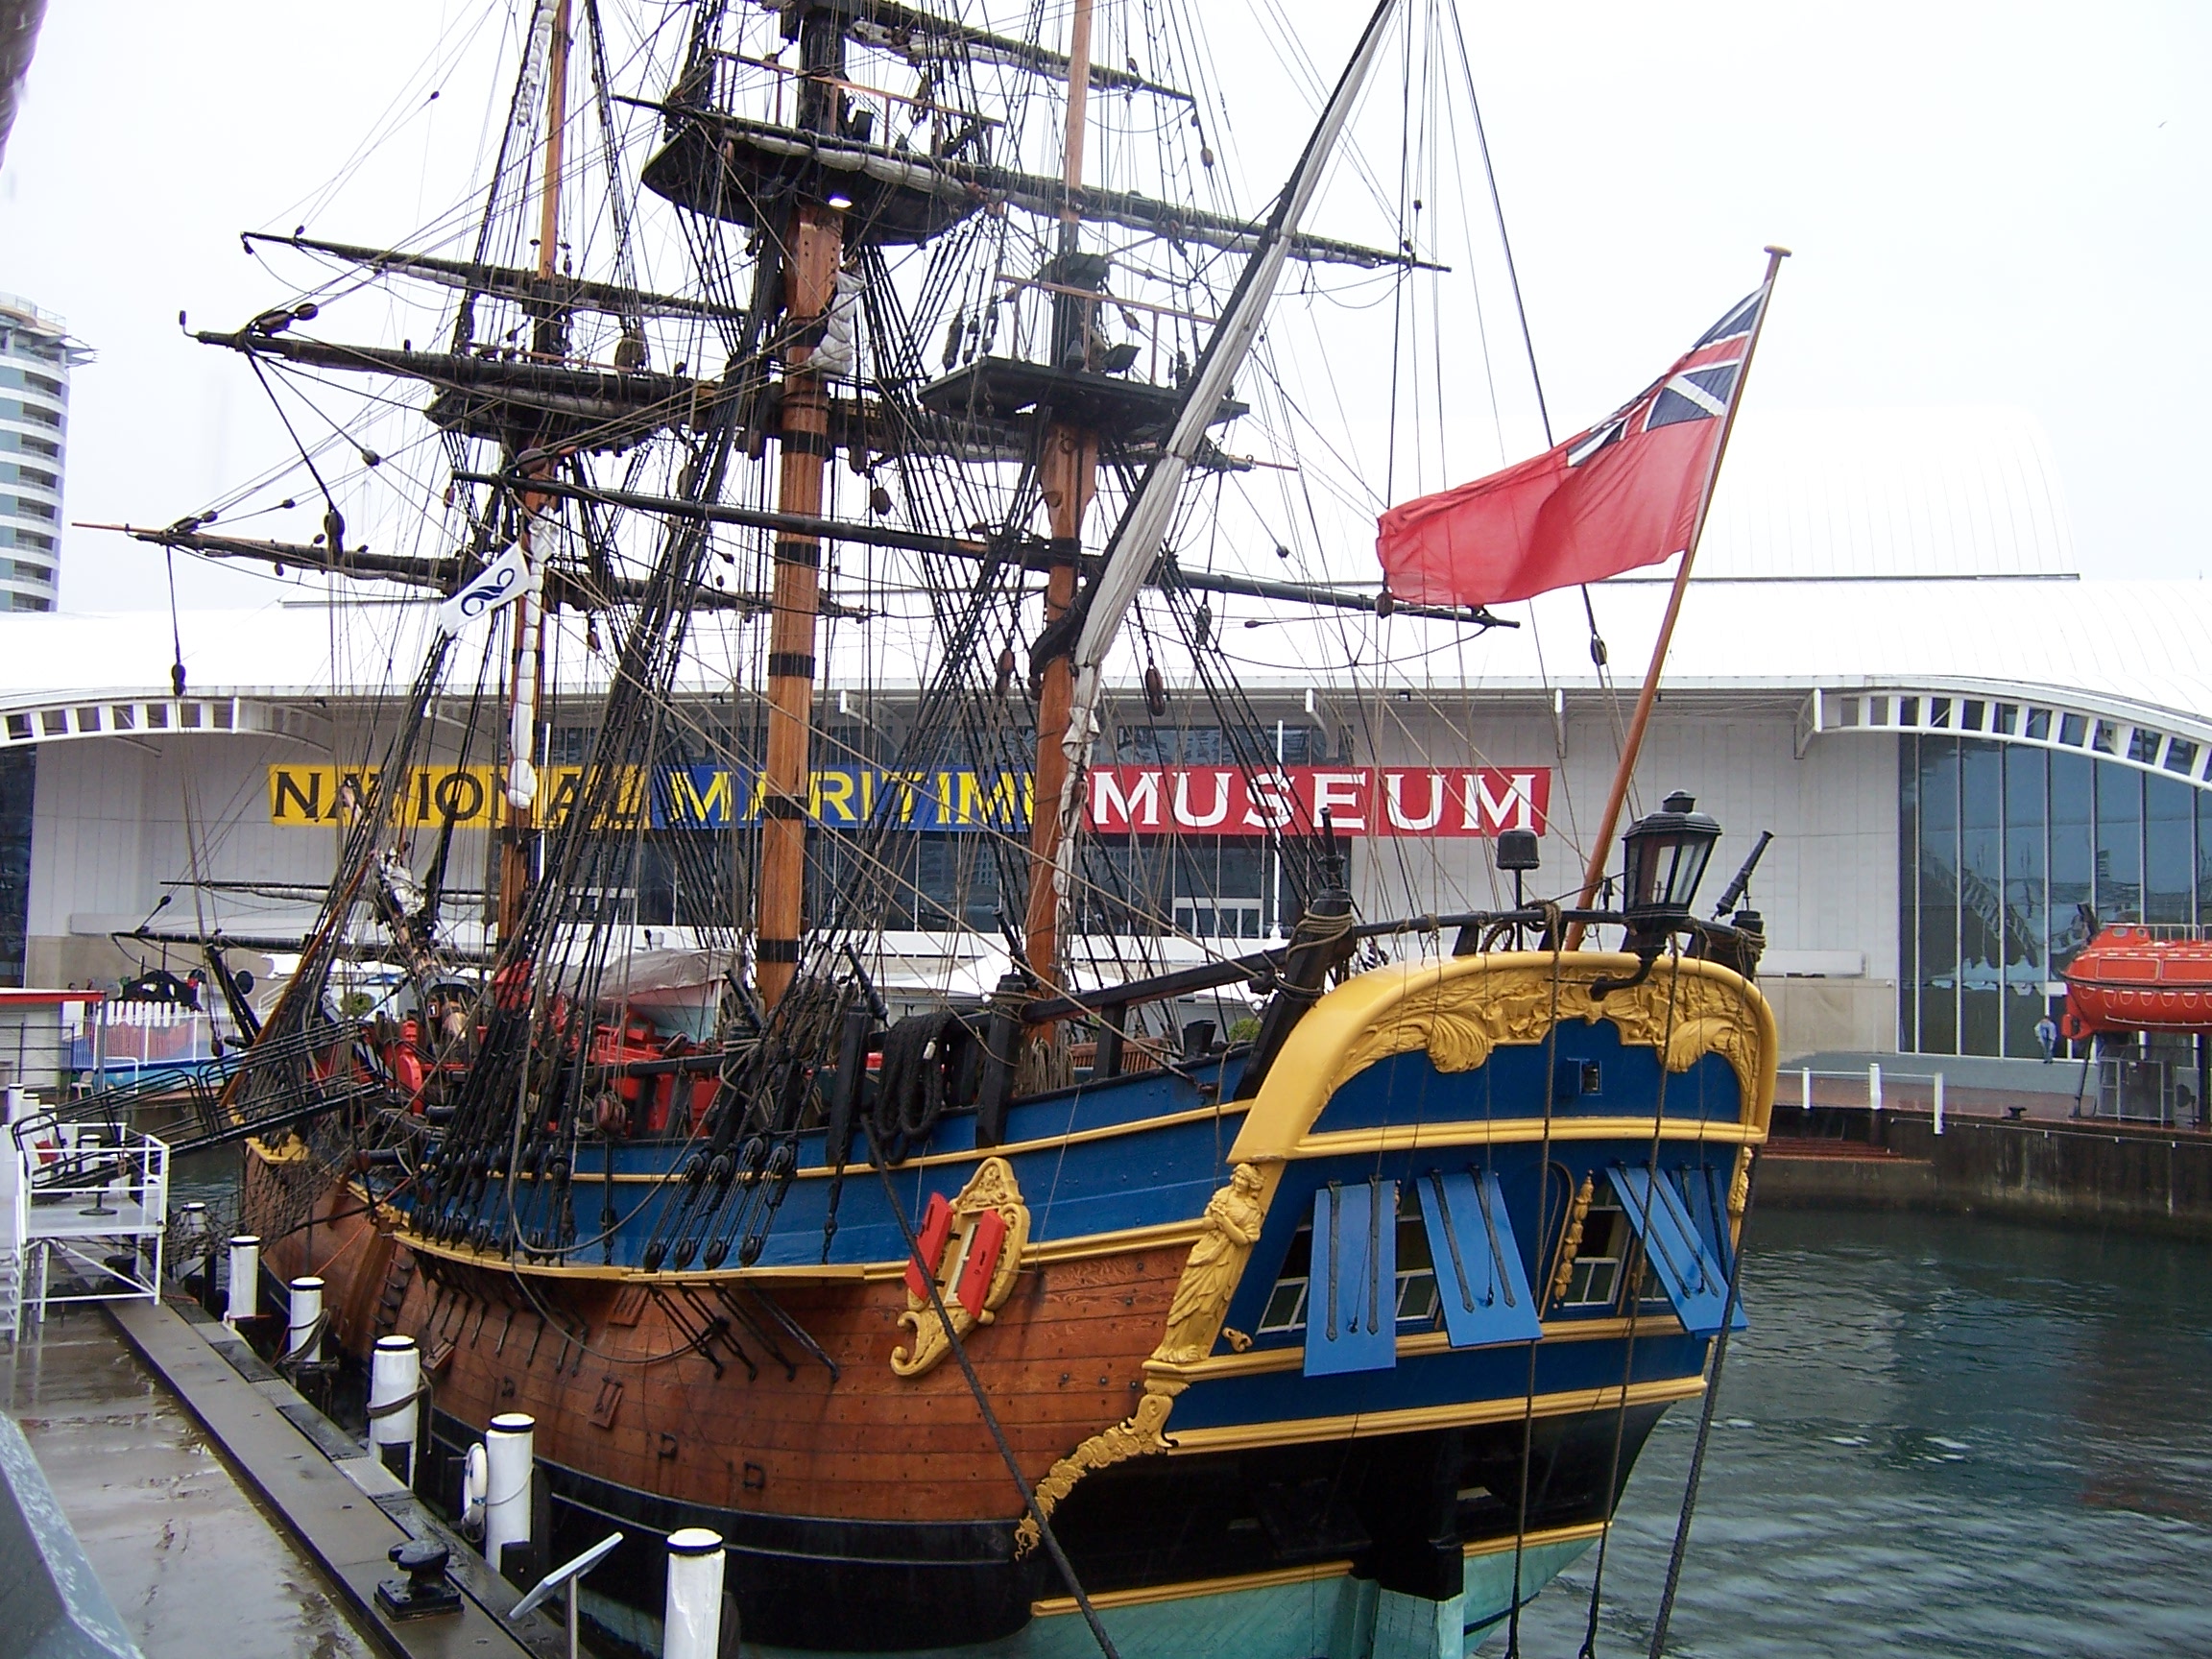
(510,1455)
(244,1301)
(395,1372)
(306,1314)
(1806,1089)
(1874,1086)
(693,1623)
(1939,1102)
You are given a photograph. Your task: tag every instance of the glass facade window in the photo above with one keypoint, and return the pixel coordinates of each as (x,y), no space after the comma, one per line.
(1937,922)
(2008,856)
(1983,929)
(2026,900)
(18,773)
(2169,850)
(2072,856)
(2119,843)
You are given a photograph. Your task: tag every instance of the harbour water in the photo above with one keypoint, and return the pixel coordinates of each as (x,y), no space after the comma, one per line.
(1942,1436)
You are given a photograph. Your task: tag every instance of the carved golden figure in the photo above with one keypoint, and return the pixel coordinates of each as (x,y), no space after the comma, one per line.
(1231,1222)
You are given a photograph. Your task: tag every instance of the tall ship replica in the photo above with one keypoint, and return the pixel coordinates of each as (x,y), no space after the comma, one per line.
(1017,1321)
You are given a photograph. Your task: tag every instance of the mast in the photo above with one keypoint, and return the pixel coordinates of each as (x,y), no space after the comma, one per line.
(1068,477)
(1138,539)
(815,250)
(527,668)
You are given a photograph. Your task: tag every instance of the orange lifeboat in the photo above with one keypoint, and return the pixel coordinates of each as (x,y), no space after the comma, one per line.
(2129,978)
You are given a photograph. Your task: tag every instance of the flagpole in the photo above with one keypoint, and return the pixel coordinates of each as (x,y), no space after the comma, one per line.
(1633,741)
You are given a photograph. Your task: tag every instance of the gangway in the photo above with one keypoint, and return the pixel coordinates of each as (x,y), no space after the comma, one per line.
(269,1086)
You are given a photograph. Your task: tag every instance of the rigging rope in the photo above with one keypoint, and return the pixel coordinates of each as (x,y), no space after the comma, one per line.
(1711,1402)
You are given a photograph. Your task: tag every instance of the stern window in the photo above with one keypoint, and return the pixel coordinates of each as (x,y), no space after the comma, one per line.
(1417,1300)
(1607,1242)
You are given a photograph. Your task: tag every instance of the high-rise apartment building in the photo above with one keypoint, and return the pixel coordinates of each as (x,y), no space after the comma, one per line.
(35,357)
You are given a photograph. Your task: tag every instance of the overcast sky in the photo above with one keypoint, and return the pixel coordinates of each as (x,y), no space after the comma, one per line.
(1990,203)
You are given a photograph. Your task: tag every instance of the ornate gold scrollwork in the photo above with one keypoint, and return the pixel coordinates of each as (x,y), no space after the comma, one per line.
(1571,1241)
(1134,1437)
(1460,1020)
(993,1189)
(1231,1225)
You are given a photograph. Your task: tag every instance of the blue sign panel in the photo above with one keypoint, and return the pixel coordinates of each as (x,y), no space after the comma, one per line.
(846,798)
(1479,1276)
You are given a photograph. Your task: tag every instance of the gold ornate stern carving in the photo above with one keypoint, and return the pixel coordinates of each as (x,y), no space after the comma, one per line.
(1460,1019)
(977,1260)
(1234,1216)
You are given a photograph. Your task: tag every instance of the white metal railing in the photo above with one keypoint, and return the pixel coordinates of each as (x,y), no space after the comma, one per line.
(1873,1082)
(85,1207)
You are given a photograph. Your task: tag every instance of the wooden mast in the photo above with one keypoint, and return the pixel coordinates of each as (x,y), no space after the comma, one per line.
(527,668)
(811,275)
(1068,477)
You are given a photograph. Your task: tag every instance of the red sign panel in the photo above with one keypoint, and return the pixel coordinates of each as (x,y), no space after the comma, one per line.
(1434,800)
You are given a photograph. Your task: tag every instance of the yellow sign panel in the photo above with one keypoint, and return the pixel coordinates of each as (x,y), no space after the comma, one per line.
(685,797)
(466,797)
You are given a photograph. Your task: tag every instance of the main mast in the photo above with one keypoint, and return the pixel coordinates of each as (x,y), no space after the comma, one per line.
(1068,479)
(527,668)
(813,248)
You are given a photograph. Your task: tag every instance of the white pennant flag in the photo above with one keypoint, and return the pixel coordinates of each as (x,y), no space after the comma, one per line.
(500,583)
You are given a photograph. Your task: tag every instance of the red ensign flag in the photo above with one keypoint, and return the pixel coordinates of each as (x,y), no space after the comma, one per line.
(1622,494)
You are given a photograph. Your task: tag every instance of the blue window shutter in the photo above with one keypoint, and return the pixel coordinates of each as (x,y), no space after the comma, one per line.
(1695,1281)
(1479,1278)
(1704,1189)
(1352,1299)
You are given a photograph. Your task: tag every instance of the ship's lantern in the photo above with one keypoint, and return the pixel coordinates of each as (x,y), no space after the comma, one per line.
(1517,850)
(1667,852)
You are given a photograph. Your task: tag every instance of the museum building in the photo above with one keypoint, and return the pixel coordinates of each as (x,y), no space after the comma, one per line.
(1968,749)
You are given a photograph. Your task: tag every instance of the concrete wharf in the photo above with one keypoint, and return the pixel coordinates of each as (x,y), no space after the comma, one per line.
(223,1514)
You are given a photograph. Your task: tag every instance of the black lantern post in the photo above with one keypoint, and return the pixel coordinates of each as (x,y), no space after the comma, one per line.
(1666,855)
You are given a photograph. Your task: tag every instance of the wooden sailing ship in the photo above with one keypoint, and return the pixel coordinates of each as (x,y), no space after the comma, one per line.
(969,1327)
